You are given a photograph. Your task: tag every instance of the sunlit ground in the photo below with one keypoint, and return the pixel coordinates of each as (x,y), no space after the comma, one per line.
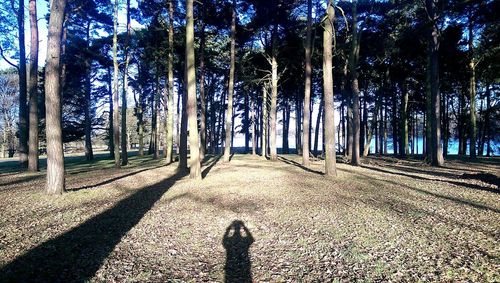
(253,219)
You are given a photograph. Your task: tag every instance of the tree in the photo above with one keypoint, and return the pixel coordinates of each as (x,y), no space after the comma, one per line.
(433,73)
(230,93)
(116,113)
(307,92)
(194,160)
(170,101)
(274,95)
(23,95)
(353,62)
(329,119)
(125,90)
(55,154)
(33,90)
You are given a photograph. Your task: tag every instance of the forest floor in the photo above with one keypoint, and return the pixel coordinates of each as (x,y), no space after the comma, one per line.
(389,220)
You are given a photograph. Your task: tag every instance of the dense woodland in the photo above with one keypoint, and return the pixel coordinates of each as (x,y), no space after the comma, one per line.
(179,79)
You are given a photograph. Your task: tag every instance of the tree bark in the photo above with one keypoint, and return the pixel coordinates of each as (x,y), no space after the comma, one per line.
(307,92)
(23,93)
(436,146)
(254,128)
(354,86)
(116,113)
(274,96)
(230,92)
(183,162)
(194,160)
(329,119)
(111,121)
(404,122)
(125,90)
(487,121)
(55,154)
(318,124)
(89,154)
(203,130)
(472,93)
(156,115)
(170,100)
(33,164)
(264,122)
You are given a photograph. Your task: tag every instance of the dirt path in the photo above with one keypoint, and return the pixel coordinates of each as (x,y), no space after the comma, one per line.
(255,220)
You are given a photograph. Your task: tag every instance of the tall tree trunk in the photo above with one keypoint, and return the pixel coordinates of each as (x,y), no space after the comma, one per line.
(203,130)
(394,120)
(230,92)
(183,135)
(89,154)
(170,100)
(116,112)
(246,123)
(385,130)
(284,136)
(264,122)
(253,126)
(371,128)
(111,142)
(428,108)
(274,95)
(472,92)
(23,94)
(125,90)
(364,124)
(140,123)
(156,115)
(436,146)
(487,120)
(329,119)
(194,160)
(33,90)
(55,153)
(354,85)
(307,92)
(298,125)
(318,124)
(213,123)
(404,121)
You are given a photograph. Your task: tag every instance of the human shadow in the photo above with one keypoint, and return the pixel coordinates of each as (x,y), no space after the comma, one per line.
(76,255)
(237,241)
(296,164)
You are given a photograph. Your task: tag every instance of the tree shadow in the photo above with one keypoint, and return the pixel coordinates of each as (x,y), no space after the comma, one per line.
(456,183)
(20,180)
(111,180)
(399,184)
(205,171)
(237,241)
(296,164)
(76,255)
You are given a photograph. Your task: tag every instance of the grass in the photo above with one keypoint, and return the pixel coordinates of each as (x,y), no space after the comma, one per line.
(388,220)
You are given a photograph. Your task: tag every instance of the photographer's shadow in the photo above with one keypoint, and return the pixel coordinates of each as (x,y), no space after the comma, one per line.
(237,241)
